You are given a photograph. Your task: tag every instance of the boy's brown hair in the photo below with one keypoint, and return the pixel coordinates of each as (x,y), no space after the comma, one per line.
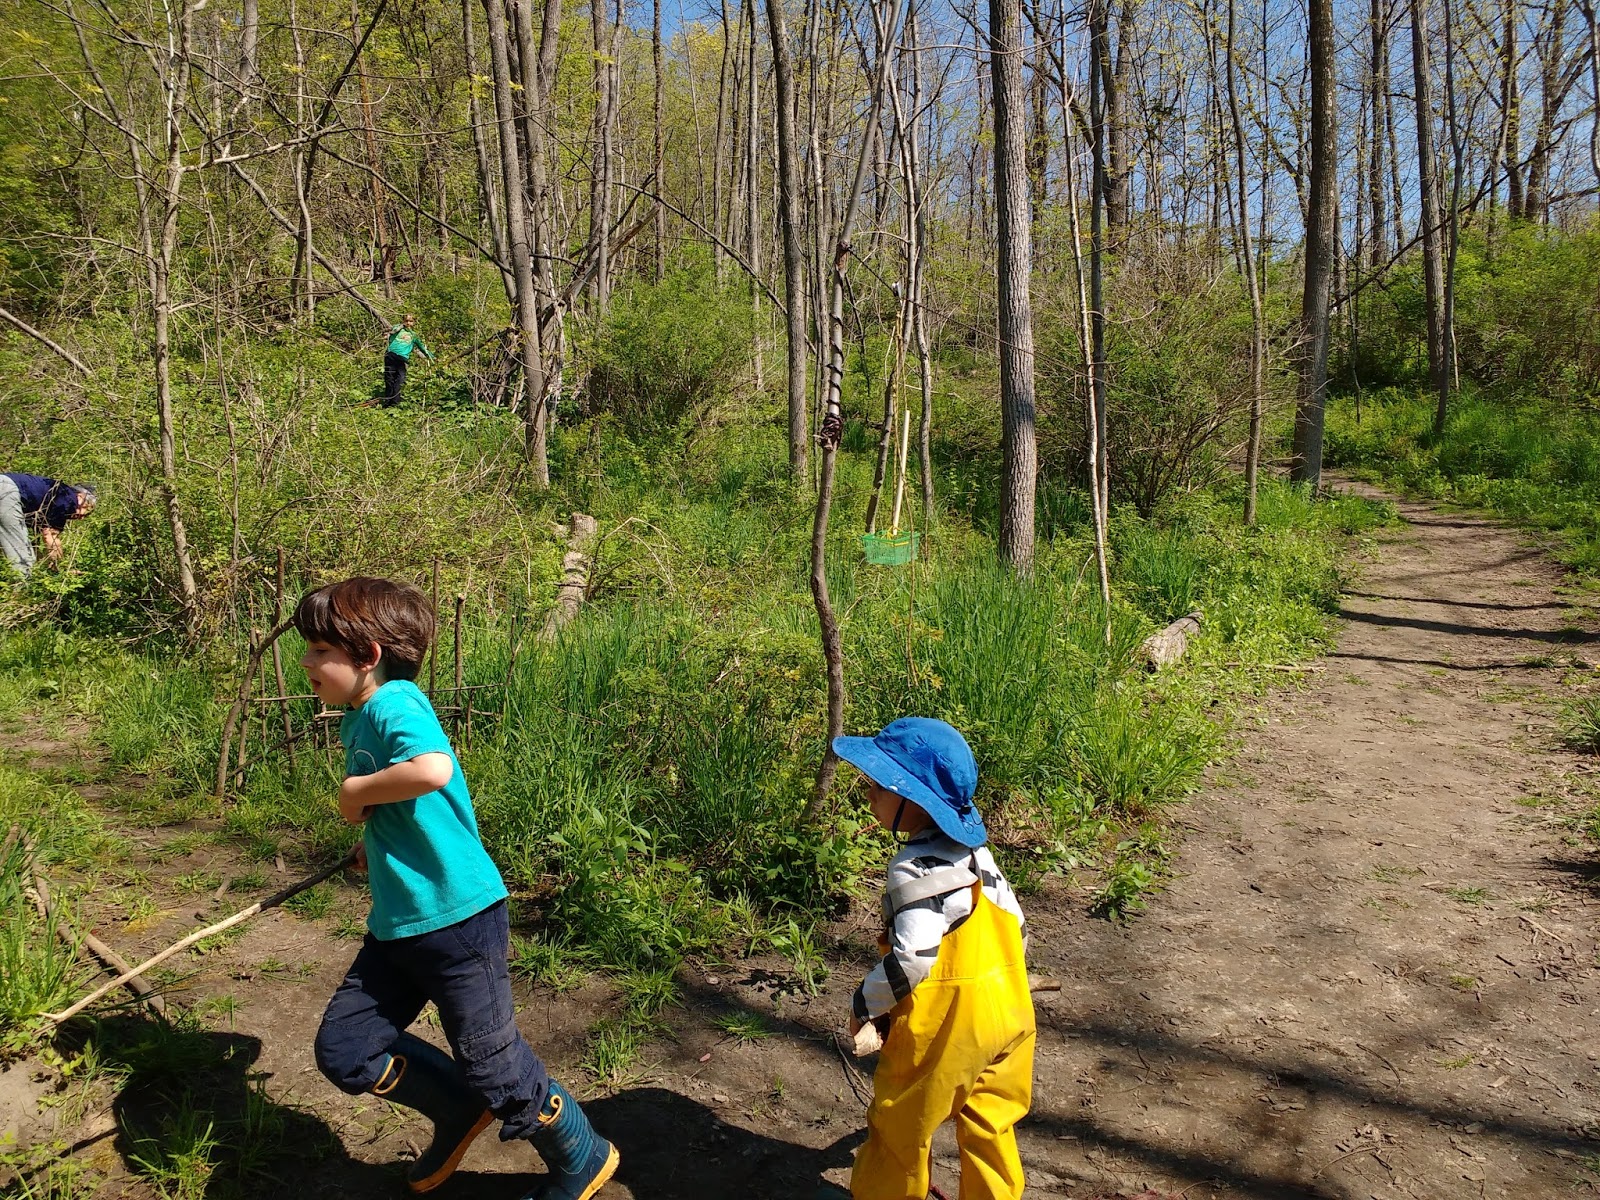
(354,613)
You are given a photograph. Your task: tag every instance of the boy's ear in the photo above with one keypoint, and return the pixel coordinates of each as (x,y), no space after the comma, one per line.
(374,657)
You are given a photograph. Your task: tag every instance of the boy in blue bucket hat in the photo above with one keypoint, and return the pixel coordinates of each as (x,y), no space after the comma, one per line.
(949,1000)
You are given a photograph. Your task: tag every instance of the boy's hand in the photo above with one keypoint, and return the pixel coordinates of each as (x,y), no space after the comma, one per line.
(865,1039)
(361,857)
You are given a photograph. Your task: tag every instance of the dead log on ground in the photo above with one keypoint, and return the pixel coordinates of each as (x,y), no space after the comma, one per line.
(575,568)
(1166,647)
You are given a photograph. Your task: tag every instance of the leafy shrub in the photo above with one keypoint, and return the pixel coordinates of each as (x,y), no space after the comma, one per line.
(668,349)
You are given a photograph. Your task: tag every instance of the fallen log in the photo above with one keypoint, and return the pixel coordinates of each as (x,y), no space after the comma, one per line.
(575,566)
(1167,646)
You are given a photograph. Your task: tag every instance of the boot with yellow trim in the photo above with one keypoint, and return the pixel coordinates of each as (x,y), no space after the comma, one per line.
(422,1077)
(579,1159)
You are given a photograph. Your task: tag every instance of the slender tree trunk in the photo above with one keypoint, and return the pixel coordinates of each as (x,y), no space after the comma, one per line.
(1428,186)
(1100,477)
(517,223)
(383,262)
(886,18)
(1321,235)
(658,161)
(719,170)
(1019,454)
(1594,84)
(177,94)
(487,188)
(1258,335)
(917,242)
(1511,109)
(1458,155)
(1114,84)
(1378,89)
(752,196)
(789,221)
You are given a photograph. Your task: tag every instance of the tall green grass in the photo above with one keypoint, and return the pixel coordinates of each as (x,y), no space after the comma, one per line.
(643,789)
(1532,462)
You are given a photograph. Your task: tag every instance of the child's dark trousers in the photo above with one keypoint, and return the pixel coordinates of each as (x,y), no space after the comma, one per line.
(462,969)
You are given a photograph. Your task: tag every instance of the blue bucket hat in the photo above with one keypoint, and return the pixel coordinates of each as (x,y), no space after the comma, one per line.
(928,763)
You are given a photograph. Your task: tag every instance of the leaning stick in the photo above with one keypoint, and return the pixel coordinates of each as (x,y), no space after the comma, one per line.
(108,957)
(261,906)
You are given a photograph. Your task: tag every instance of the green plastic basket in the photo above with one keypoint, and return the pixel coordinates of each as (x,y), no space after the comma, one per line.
(890,549)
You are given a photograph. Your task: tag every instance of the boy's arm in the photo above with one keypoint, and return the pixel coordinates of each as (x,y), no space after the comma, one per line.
(360,794)
(916,932)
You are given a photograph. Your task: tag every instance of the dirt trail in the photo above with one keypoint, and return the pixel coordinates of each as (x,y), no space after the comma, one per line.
(1374,975)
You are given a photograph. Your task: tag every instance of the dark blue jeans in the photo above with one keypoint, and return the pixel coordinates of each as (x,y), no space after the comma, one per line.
(394,376)
(462,969)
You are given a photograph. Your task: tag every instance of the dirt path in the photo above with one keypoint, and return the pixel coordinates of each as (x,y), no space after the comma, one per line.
(1374,975)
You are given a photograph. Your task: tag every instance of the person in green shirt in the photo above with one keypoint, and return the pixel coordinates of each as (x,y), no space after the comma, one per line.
(402,340)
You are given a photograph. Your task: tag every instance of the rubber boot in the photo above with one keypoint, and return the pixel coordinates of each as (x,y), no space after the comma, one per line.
(579,1159)
(425,1078)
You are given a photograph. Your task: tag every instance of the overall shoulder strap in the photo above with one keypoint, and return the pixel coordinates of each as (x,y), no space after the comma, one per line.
(939,882)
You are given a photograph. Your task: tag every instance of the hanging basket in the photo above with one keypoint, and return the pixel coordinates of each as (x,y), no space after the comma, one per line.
(890,549)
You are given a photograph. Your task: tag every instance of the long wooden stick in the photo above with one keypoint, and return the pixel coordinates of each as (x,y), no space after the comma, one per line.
(108,957)
(261,906)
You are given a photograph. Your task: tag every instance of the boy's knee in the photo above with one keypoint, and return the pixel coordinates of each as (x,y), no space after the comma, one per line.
(346,1062)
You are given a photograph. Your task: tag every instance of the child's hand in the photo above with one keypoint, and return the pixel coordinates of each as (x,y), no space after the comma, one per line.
(865,1039)
(361,857)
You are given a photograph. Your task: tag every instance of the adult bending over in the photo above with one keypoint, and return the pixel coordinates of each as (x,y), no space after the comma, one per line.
(43,504)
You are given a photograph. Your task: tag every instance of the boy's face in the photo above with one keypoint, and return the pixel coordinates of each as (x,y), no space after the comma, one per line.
(886,805)
(336,679)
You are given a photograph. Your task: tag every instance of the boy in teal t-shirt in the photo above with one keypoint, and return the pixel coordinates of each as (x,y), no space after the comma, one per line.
(438,929)
(397,357)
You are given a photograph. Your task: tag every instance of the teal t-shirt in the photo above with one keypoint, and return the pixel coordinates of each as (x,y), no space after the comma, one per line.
(401,340)
(425,862)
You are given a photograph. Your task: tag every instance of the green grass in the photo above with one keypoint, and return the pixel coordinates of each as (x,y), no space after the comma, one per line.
(743,1027)
(640,792)
(1532,462)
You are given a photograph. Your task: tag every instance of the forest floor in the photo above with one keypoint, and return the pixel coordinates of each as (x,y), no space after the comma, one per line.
(1373,974)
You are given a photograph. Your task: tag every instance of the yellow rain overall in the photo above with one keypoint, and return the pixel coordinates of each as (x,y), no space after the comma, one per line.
(960,1046)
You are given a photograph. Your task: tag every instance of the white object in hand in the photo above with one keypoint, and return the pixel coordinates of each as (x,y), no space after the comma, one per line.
(867,1040)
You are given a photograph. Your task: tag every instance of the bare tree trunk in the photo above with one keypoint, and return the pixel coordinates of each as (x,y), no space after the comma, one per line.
(600,163)
(891,405)
(480,147)
(527,312)
(718,170)
(249,33)
(886,17)
(658,161)
(1114,82)
(1378,90)
(383,263)
(1594,84)
(752,197)
(789,220)
(1458,153)
(1094,422)
(1511,111)
(1428,186)
(1098,34)
(1019,454)
(1321,235)
(1258,333)
(918,243)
